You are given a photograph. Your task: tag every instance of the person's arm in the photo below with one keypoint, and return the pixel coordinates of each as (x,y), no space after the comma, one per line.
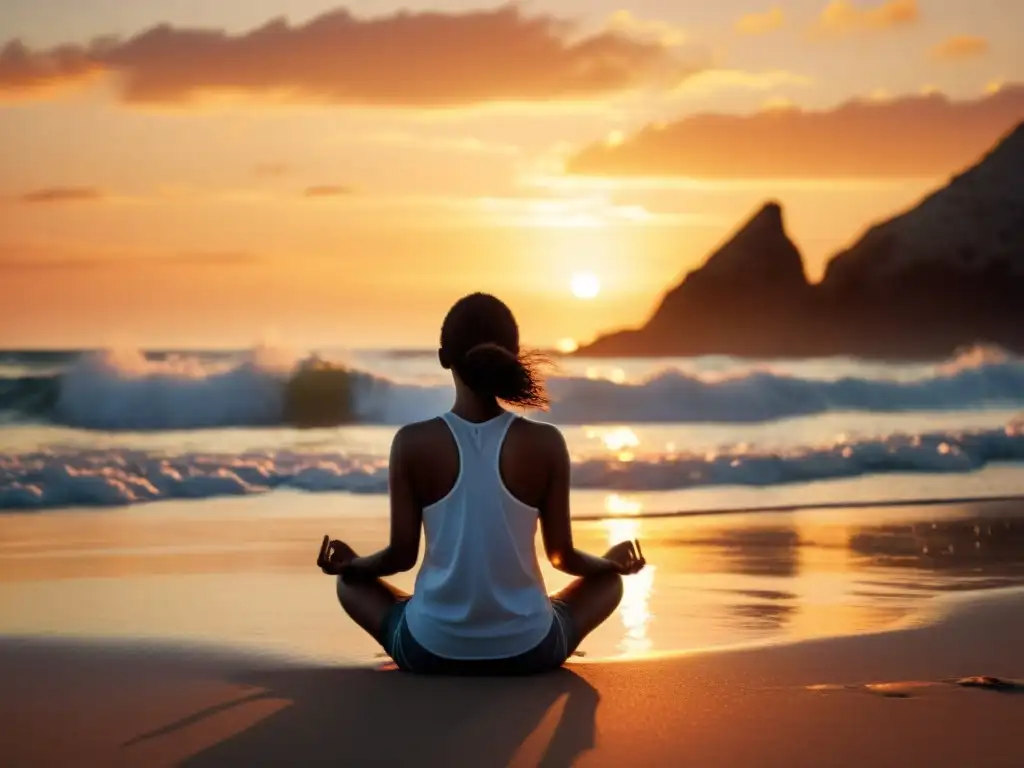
(406,518)
(556,527)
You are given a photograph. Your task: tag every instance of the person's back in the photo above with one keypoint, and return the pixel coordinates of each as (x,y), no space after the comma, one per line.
(479,592)
(478,479)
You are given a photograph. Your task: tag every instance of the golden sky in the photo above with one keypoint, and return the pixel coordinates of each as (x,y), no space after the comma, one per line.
(311,174)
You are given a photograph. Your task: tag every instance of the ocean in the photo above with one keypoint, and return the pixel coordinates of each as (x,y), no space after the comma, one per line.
(655,436)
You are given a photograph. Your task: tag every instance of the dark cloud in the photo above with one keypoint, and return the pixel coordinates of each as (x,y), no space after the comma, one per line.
(913,136)
(327,190)
(61,195)
(409,59)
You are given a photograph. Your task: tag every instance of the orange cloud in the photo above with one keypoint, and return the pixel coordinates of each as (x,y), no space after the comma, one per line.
(25,73)
(30,258)
(761,23)
(327,190)
(664,33)
(409,59)
(712,80)
(843,17)
(61,195)
(960,47)
(909,137)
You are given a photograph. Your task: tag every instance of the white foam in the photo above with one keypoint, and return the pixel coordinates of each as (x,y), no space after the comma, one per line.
(125,390)
(56,478)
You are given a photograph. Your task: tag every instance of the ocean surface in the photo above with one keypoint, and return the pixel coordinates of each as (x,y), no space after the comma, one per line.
(120,428)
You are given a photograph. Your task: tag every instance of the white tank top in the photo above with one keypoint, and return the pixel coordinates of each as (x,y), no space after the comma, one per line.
(479,593)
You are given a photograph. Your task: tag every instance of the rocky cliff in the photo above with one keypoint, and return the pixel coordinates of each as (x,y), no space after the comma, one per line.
(948,273)
(741,300)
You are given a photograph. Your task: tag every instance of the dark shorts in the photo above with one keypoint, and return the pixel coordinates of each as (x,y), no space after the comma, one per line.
(549,654)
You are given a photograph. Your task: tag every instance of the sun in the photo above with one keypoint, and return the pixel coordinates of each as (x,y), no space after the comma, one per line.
(585,285)
(567,346)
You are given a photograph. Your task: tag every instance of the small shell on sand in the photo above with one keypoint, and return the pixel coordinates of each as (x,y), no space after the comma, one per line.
(991,683)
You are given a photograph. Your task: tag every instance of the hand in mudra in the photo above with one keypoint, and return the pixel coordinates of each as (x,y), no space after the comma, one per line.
(334,556)
(627,556)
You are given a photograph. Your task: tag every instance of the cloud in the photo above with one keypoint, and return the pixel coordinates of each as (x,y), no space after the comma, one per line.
(327,190)
(49,195)
(778,102)
(35,258)
(843,17)
(659,32)
(960,47)
(712,80)
(421,59)
(461,144)
(761,23)
(919,136)
(220,258)
(26,74)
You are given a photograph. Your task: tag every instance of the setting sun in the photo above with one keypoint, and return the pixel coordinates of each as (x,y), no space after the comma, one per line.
(567,346)
(585,285)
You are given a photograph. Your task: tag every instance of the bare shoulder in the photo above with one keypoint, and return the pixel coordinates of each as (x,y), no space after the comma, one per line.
(546,439)
(419,436)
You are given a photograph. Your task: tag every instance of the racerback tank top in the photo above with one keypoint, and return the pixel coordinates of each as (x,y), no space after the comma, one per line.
(479,593)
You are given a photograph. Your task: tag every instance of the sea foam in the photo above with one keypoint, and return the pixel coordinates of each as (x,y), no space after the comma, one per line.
(109,477)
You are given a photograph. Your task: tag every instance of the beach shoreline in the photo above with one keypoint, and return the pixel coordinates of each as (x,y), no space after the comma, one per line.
(202,634)
(243,569)
(893,698)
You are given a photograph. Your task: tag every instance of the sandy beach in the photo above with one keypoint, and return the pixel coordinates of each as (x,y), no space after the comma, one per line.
(888,699)
(815,637)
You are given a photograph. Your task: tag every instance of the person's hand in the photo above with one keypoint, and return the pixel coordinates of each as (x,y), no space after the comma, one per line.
(627,557)
(334,556)
(321,558)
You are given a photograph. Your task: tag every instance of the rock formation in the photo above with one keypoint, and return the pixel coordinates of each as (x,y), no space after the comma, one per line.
(946,274)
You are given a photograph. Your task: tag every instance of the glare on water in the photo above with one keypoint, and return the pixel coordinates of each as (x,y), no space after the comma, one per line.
(634,611)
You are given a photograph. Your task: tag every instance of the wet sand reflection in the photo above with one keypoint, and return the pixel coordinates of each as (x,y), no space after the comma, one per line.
(710,580)
(634,611)
(803,574)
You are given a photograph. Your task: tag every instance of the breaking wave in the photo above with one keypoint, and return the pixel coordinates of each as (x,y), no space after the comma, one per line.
(130,391)
(109,477)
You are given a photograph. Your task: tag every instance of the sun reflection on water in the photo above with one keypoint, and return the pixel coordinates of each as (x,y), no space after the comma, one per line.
(618,440)
(634,610)
(617,505)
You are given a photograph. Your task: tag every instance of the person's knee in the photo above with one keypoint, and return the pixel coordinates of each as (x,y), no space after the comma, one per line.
(615,589)
(609,595)
(342,588)
(607,590)
(352,593)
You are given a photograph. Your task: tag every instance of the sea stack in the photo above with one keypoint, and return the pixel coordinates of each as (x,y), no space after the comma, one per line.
(945,275)
(747,296)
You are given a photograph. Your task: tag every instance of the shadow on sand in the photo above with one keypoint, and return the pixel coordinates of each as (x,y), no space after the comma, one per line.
(358,716)
(135,702)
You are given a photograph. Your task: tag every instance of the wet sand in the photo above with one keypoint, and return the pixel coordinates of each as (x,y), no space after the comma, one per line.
(202,635)
(241,571)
